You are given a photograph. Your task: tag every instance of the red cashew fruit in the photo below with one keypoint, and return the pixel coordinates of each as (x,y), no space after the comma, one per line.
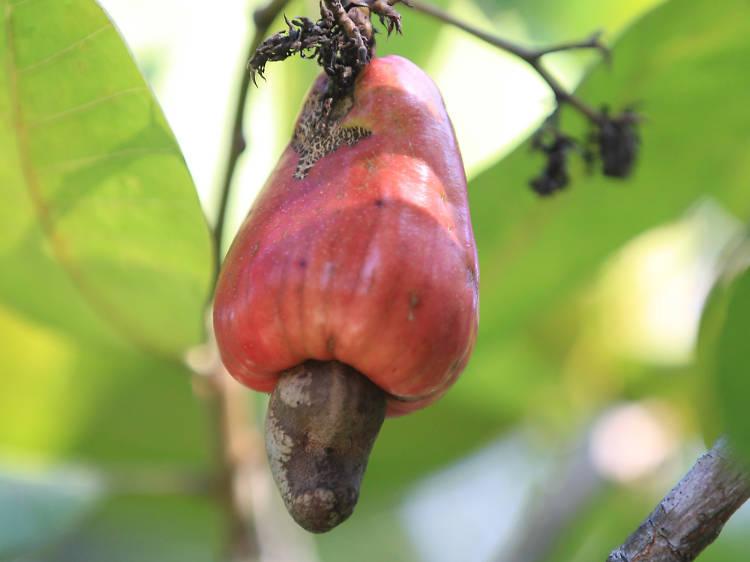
(357,256)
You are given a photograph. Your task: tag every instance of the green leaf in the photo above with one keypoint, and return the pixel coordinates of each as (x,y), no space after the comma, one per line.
(61,397)
(732,360)
(106,259)
(103,234)
(112,406)
(710,410)
(676,62)
(552,20)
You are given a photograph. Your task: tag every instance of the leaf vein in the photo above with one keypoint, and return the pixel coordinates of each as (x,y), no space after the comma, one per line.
(88,290)
(77,163)
(84,106)
(65,50)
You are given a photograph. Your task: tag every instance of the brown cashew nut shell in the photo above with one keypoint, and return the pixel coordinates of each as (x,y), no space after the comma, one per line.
(322,421)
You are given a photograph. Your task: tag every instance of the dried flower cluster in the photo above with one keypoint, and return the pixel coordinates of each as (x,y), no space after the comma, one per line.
(341,41)
(613,144)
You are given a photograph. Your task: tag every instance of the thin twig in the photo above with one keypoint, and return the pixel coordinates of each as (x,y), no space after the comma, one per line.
(237,449)
(592,42)
(570,487)
(692,515)
(242,446)
(533,57)
(262,18)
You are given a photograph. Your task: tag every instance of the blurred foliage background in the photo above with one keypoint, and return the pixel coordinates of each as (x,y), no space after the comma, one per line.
(614,315)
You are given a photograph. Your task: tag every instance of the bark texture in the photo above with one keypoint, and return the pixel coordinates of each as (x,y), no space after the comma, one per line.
(692,515)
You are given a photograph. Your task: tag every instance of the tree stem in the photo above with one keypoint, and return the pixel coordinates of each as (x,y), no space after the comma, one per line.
(262,18)
(533,57)
(236,445)
(236,448)
(692,515)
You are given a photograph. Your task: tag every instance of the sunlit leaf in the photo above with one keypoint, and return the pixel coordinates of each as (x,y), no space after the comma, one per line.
(64,398)
(102,232)
(128,412)
(555,21)
(106,261)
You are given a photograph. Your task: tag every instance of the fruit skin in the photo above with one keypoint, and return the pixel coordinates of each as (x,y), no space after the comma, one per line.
(369,259)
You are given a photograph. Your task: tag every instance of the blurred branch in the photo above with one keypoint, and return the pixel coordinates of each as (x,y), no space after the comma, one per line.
(569,488)
(692,515)
(258,525)
(238,447)
(237,443)
(262,18)
(533,57)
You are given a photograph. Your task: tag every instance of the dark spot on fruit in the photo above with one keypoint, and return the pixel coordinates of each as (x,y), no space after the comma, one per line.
(379,202)
(471,278)
(302,263)
(413,303)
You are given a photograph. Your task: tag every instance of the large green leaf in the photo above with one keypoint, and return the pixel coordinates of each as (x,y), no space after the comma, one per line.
(676,63)
(102,232)
(65,398)
(732,363)
(106,259)
(129,414)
